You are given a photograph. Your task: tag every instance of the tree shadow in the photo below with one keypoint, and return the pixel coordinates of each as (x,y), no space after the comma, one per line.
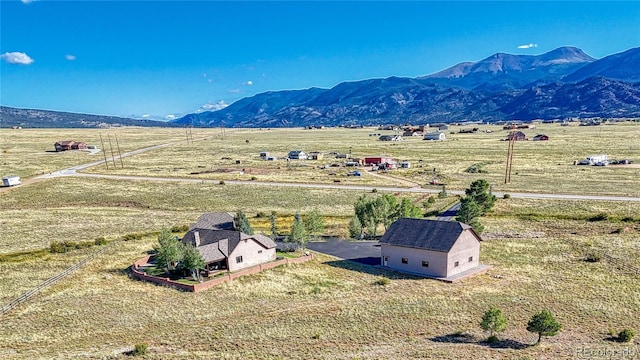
(505,344)
(455,338)
(461,338)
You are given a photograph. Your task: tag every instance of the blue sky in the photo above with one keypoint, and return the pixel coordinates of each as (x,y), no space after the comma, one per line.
(164,59)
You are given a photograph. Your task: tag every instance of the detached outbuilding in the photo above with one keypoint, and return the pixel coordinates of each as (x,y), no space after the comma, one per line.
(70,145)
(516,136)
(435,136)
(541,137)
(432,248)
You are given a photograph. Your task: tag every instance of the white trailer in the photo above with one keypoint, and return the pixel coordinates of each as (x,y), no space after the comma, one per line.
(11,180)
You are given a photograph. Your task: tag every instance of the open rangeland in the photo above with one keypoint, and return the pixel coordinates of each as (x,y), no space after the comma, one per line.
(327,308)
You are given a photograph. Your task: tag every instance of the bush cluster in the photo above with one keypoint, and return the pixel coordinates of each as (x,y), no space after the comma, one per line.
(60,247)
(134,236)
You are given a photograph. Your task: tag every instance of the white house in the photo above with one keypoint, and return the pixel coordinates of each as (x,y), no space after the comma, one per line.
(297,155)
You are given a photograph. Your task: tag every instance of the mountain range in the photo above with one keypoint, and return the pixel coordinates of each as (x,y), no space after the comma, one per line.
(561,83)
(33,118)
(564,82)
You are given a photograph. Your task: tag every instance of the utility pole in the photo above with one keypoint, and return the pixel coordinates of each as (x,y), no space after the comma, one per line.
(119,153)
(507,174)
(113,157)
(106,163)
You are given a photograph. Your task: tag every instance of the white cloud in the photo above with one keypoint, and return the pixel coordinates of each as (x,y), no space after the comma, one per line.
(234,91)
(213,106)
(26,1)
(170,117)
(145,116)
(528,46)
(16,58)
(249,83)
(70,57)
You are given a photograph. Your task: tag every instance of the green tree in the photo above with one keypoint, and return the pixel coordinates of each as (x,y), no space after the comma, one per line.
(242,223)
(386,210)
(298,233)
(313,223)
(274,226)
(169,249)
(480,191)
(493,321)
(544,324)
(193,261)
(355,228)
(469,213)
(365,211)
(408,210)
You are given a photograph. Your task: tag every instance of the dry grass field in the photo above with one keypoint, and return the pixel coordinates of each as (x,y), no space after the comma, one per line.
(327,308)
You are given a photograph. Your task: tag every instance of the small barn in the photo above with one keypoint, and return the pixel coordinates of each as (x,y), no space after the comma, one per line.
(377,160)
(540,137)
(432,248)
(435,136)
(516,136)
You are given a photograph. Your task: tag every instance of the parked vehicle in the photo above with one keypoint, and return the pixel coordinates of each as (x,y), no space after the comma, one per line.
(354,173)
(11,180)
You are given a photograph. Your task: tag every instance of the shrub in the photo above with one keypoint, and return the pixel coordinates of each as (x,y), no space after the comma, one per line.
(506,196)
(592,257)
(253,178)
(140,349)
(134,236)
(221,182)
(179,228)
(374,190)
(492,339)
(626,335)
(431,200)
(382,281)
(316,336)
(261,214)
(100,241)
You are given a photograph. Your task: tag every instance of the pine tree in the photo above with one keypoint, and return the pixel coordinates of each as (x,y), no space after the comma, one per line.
(544,324)
(355,228)
(242,223)
(313,223)
(274,226)
(493,321)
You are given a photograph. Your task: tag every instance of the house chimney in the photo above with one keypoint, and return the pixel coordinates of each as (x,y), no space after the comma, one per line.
(196,235)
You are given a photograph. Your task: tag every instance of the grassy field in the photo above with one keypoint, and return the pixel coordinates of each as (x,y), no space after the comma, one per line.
(538,166)
(325,309)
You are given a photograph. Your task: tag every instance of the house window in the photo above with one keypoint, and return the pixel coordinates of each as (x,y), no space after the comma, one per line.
(425,263)
(456,264)
(405,260)
(260,252)
(239,259)
(470,258)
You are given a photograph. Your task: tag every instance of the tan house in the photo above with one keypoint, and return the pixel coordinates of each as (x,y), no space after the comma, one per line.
(224,248)
(432,248)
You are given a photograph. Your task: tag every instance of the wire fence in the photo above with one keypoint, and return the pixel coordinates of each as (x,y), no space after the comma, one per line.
(31,293)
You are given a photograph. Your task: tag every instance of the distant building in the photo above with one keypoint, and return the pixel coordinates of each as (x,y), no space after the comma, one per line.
(540,137)
(315,155)
(297,155)
(390,138)
(516,136)
(435,136)
(69,145)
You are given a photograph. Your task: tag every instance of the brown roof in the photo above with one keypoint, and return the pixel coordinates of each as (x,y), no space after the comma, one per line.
(215,221)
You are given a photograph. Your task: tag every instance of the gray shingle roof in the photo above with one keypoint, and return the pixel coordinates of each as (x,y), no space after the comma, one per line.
(216,221)
(218,244)
(436,235)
